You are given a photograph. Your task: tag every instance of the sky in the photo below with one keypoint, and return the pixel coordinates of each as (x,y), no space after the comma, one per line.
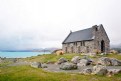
(34,24)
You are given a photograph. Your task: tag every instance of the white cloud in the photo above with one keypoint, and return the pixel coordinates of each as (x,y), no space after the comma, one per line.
(45,23)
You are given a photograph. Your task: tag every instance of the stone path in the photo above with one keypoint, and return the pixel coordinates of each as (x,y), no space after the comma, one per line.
(19,64)
(55,68)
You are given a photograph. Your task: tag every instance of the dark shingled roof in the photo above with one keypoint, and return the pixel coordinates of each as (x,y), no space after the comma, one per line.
(81,35)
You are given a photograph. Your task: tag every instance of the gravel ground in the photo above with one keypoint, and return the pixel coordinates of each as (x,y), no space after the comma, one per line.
(55,68)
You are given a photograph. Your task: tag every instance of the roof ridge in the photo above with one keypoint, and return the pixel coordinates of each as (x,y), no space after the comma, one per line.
(82,29)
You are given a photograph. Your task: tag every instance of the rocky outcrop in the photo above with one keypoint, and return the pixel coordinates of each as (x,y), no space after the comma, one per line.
(75,59)
(36,65)
(58,52)
(99,70)
(61,60)
(86,71)
(113,71)
(68,66)
(109,61)
(104,61)
(82,62)
(44,65)
(115,62)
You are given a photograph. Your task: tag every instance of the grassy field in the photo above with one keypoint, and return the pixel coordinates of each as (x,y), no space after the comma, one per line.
(27,73)
(54,57)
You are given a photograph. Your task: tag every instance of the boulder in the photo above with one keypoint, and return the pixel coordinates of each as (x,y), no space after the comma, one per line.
(75,59)
(115,62)
(36,65)
(82,62)
(99,70)
(87,58)
(44,65)
(113,71)
(86,71)
(68,66)
(109,61)
(104,61)
(61,60)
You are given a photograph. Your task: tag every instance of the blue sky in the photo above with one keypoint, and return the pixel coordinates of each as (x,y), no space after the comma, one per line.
(28,24)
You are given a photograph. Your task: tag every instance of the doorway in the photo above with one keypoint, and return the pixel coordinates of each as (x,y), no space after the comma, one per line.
(102,46)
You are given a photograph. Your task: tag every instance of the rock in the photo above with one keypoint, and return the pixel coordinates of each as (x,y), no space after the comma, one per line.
(36,65)
(83,62)
(109,61)
(68,66)
(104,61)
(99,70)
(44,65)
(75,59)
(61,60)
(114,71)
(86,71)
(115,62)
(87,58)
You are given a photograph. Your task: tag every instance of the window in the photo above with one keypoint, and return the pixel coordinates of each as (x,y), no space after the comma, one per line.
(67,44)
(79,49)
(96,29)
(98,43)
(83,43)
(76,43)
(66,49)
(72,50)
(87,49)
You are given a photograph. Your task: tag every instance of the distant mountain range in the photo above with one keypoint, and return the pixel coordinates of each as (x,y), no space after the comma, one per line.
(48,49)
(116,46)
(32,50)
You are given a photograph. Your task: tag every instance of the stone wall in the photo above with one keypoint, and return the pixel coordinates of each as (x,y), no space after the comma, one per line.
(89,46)
(78,47)
(100,35)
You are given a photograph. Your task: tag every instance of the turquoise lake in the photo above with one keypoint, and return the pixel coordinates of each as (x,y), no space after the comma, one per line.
(21,54)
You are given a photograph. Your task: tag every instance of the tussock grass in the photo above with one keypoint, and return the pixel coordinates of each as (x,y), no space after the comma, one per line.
(53,57)
(50,57)
(27,73)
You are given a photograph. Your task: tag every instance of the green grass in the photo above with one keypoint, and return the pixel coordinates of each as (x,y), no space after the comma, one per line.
(27,73)
(50,57)
(54,57)
(114,56)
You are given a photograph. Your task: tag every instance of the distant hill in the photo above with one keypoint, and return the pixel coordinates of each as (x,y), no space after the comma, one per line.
(32,50)
(116,47)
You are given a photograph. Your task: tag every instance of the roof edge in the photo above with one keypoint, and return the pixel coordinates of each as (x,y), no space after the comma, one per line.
(78,41)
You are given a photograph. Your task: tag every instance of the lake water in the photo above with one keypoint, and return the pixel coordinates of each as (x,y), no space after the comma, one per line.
(21,54)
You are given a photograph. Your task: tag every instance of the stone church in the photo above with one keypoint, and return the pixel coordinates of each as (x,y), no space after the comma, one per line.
(88,40)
